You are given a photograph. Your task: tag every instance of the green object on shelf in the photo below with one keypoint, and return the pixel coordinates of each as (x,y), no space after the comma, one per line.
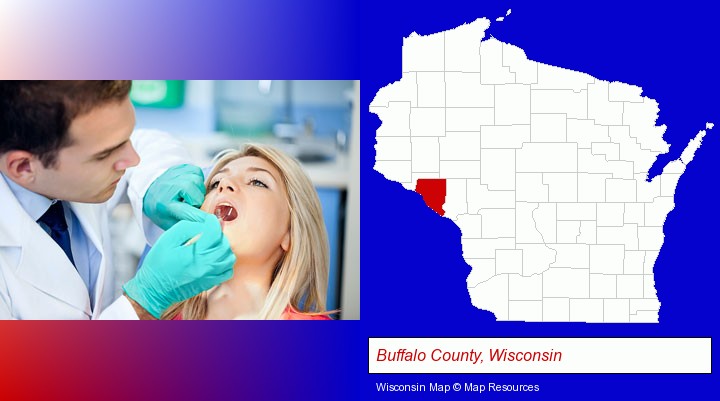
(161,94)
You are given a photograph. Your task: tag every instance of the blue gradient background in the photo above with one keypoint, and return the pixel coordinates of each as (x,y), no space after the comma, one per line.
(413,277)
(178,39)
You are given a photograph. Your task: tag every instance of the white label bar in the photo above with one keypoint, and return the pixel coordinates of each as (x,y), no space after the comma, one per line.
(539,355)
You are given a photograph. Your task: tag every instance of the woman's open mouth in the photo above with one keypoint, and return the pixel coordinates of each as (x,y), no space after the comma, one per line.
(225,212)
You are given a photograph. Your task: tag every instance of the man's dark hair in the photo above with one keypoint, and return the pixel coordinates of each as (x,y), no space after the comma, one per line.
(35,115)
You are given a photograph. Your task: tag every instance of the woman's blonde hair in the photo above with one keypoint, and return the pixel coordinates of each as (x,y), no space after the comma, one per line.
(300,276)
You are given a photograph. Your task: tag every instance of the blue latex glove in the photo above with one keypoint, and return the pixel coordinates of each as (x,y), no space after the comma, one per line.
(173,272)
(175,196)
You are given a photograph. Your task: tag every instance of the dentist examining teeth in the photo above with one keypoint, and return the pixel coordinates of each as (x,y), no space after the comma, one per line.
(68,154)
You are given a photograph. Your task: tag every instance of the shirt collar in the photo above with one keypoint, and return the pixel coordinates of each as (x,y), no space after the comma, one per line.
(35,205)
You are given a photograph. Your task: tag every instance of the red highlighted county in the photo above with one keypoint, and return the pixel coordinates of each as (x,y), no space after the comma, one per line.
(433,193)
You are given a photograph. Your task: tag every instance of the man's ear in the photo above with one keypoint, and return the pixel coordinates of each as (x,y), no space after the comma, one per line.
(20,166)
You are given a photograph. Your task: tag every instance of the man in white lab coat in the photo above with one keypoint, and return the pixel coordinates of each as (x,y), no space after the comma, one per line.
(68,155)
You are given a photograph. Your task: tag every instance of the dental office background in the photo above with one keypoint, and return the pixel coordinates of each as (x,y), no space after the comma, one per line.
(315,121)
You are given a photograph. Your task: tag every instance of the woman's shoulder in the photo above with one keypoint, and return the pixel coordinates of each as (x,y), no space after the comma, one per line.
(291,314)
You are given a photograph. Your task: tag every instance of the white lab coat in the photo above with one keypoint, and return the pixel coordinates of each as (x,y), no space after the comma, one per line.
(36,279)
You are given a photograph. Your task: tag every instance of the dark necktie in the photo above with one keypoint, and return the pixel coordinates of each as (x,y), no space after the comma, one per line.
(54,218)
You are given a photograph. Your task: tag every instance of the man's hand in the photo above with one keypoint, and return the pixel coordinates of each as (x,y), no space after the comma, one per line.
(175,196)
(173,272)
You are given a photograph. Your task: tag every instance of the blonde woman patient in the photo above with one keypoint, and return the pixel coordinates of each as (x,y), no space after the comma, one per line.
(271,216)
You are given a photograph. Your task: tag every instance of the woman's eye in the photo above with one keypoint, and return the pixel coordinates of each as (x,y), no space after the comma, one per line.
(257,183)
(214,184)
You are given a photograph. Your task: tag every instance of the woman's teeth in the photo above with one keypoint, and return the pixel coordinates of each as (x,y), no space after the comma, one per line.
(225,212)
